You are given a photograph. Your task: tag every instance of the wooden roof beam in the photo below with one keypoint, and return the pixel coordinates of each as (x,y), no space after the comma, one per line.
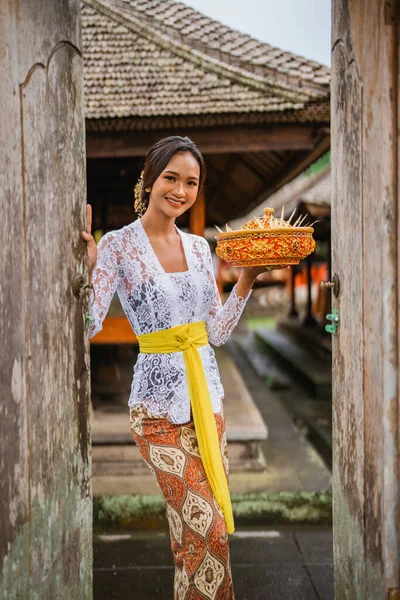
(294,166)
(278,137)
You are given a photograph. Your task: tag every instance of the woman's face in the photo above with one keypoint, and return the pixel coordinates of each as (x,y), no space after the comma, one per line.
(175,189)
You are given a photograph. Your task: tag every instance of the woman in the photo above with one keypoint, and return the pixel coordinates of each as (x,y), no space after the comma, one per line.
(165,282)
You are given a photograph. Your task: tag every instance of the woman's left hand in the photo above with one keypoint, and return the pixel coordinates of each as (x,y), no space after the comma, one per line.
(248,276)
(252,273)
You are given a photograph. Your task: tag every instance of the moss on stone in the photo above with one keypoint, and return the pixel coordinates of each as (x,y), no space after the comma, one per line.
(148,512)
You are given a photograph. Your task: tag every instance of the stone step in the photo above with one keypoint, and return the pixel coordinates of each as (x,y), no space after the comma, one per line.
(262,363)
(144,484)
(120,469)
(126,459)
(310,338)
(316,417)
(308,370)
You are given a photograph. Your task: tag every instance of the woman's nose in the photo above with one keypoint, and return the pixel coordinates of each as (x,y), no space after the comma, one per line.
(178,190)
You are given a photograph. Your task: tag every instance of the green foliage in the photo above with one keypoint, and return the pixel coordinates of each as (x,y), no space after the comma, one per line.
(319,164)
(264,322)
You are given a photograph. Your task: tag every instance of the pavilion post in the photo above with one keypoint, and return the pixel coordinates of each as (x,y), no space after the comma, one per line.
(293,311)
(309,320)
(197,215)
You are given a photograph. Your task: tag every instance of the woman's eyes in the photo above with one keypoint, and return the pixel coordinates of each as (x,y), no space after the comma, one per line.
(171,178)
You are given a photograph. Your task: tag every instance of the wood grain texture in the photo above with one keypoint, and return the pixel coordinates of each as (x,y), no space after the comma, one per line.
(365,256)
(14,486)
(44,430)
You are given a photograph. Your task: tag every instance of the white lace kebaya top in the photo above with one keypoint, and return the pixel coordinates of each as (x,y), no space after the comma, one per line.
(154,300)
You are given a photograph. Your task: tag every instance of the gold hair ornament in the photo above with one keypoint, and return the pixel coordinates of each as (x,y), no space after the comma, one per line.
(140,207)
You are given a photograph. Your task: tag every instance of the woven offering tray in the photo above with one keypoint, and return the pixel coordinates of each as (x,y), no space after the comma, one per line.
(266,241)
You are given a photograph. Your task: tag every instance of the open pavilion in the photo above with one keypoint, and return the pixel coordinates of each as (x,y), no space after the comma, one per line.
(155,68)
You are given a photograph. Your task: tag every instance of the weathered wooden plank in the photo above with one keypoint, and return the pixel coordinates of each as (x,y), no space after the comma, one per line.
(210,141)
(14,487)
(380,320)
(58,374)
(372,164)
(390,299)
(347,262)
(365,256)
(46,510)
(389,77)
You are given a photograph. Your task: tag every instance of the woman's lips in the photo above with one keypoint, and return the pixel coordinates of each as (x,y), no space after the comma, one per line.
(177,204)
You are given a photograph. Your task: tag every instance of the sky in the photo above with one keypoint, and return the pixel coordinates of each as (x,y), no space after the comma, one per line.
(299,26)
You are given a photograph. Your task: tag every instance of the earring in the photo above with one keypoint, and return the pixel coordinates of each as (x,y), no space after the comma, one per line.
(148,190)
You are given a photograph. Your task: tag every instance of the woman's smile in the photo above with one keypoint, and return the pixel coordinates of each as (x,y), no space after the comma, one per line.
(174,202)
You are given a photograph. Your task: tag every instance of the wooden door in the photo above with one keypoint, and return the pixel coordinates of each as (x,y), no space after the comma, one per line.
(45,486)
(365,251)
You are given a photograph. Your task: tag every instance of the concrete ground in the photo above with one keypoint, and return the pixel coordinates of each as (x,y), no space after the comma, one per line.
(267,564)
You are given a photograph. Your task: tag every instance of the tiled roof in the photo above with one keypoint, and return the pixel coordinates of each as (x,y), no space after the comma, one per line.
(159,59)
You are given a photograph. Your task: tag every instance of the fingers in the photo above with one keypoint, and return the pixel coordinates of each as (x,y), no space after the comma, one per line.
(278,267)
(89,218)
(88,238)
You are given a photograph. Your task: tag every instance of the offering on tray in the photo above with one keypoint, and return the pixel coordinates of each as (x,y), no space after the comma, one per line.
(266,241)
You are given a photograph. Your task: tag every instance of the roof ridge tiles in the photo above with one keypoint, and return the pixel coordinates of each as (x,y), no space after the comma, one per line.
(196,15)
(260,74)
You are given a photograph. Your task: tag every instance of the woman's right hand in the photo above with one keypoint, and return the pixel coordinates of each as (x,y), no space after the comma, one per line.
(89,239)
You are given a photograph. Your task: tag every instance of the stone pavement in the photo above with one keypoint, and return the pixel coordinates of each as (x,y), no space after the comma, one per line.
(267,564)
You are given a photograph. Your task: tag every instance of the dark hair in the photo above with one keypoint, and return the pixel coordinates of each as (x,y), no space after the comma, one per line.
(159,156)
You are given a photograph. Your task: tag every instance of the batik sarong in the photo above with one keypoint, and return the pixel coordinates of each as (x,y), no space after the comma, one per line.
(199,538)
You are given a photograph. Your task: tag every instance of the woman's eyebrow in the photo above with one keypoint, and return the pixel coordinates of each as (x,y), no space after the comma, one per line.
(175,173)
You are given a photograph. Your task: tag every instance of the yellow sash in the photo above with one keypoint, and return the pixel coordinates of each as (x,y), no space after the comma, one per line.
(186,339)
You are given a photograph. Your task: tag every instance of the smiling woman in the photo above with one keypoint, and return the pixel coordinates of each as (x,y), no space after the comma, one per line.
(177,185)
(175,169)
(165,281)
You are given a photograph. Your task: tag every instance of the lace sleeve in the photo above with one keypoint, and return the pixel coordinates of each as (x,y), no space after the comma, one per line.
(222,318)
(105,281)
